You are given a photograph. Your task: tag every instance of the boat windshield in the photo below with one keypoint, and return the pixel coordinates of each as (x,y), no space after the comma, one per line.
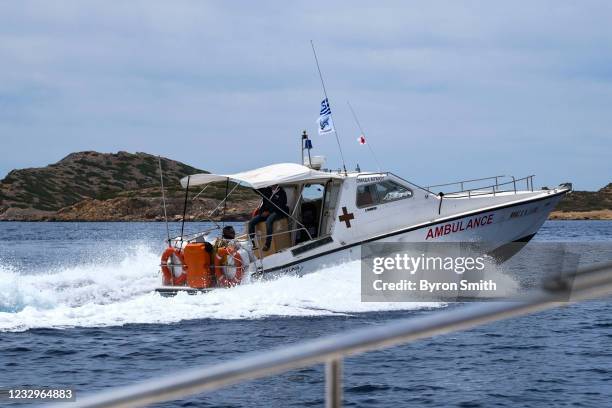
(381,192)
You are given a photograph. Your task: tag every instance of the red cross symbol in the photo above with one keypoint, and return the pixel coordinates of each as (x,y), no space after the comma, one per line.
(346,217)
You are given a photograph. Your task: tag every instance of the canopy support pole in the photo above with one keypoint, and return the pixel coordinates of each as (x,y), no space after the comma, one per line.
(210,214)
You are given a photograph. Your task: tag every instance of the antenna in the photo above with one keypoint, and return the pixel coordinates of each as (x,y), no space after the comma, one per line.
(161,179)
(363,133)
(330,114)
(306,145)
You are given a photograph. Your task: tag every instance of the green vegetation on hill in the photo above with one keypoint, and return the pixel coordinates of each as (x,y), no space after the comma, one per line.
(587,200)
(99,176)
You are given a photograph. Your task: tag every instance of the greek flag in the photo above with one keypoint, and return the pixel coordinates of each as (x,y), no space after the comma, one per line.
(326,125)
(325,110)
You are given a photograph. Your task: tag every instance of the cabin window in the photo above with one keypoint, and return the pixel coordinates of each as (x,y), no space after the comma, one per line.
(366,195)
(381,193)
(390,191)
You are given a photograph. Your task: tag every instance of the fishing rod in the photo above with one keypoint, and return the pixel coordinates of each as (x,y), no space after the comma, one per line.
(327,99)
(363,133)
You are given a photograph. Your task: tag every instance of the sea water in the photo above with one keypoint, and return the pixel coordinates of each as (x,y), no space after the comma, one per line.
(77,309)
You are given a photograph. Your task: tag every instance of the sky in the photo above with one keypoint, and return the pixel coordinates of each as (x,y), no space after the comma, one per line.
(444,90)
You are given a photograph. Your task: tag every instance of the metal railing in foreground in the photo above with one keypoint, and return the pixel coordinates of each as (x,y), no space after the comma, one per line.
(588,283)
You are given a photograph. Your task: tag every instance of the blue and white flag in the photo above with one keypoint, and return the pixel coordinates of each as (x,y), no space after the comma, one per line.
(325,110)
(326,125)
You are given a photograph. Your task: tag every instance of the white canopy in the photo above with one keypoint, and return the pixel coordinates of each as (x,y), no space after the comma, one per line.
(282,173)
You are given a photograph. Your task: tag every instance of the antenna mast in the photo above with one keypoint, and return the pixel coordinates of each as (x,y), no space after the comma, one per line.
(330,114)
(306,145)
(363,133)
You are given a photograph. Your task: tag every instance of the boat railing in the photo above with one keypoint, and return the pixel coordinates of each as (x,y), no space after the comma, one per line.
(503,184)
(193,236)
(587,283)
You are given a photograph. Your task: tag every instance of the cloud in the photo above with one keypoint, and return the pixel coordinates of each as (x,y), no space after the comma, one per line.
(445,90)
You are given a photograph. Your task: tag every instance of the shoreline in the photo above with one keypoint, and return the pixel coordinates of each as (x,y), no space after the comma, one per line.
(594,215)
(597,215)
(140,221)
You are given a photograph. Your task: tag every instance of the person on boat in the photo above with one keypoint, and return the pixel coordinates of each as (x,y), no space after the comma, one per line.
(273,207)
(228,234)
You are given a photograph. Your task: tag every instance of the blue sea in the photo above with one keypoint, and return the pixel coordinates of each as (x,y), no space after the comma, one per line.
(77,309)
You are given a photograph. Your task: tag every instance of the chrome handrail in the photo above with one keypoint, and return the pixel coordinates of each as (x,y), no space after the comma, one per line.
(491,189)
(461,182)
(591,282)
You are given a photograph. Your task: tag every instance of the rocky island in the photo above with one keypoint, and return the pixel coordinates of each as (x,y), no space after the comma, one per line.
(585,205)
(92,186)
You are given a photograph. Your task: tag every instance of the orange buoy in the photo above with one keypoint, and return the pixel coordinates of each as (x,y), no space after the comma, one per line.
(197,261)
(221,264)
(168,277)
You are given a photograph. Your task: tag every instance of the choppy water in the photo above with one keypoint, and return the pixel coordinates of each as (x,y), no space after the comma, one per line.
(76,308)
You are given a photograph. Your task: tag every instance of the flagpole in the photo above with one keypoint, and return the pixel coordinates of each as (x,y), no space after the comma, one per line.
(330,114)
(363,133)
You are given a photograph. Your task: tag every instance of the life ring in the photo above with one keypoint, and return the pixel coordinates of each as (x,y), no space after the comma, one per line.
(168,276)
(223,253)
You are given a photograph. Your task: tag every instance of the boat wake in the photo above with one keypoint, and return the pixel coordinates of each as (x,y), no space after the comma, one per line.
(110,293)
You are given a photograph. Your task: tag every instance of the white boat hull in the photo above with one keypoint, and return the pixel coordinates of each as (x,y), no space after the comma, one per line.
(352,213)
(515,222)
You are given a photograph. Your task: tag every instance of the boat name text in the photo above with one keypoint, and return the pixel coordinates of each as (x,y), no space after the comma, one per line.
(458,226)
(370,179)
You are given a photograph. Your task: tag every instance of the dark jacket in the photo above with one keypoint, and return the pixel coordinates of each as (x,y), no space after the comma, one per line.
(278,200)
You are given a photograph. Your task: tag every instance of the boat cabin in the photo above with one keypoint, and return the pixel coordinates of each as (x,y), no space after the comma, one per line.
(312,198)
(322,207)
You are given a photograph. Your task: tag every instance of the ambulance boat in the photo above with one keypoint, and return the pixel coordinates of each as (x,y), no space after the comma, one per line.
(332,213)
